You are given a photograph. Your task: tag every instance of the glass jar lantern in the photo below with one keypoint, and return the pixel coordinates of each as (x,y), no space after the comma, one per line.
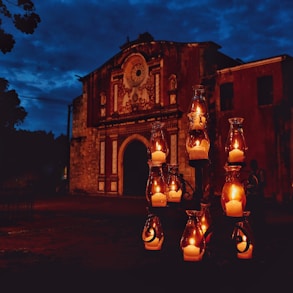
(192,241)
(155,187)
(233,198)
(197,115)
(152,234)
(243,237)
(197,140)
(158,147)
(235,147)
(174,191)
(197,145)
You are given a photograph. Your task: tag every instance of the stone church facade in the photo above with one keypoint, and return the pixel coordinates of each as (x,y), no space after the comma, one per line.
(152,80)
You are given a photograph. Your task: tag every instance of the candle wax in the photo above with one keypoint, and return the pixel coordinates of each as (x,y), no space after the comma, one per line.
(234,208)
(245,254)
(236,156)
(174,196)
(158,157)
(159,199)
(198,153)
(191,253)
(156,244)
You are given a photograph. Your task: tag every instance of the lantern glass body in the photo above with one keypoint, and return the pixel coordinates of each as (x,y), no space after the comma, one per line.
(155,187)
(192,241)
(197,115)
(243,237)
(173,191)
(235,146)
(197,145)
(152,234)
(205,218)
(233,198)
(158,148)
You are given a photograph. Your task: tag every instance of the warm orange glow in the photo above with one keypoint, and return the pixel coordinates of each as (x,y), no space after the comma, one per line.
(197,143)
(191,241)
(236,144)
(204,224)
(198,110)
(158,146)
(235,192)
(173,186)
(157,189)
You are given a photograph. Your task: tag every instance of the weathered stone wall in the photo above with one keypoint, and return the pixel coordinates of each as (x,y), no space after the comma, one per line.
(98,130)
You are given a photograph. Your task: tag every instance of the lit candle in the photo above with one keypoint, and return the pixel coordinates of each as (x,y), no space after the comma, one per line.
(158,157)
(175,196)
(159,199)
(191,253)
(199,151)
(156,244)
(245,254)
(234,206)
(236,155)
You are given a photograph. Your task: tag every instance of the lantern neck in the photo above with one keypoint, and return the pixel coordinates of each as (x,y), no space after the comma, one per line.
(232,173)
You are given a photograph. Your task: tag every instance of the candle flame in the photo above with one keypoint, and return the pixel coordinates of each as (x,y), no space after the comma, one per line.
(198,110)
(191,241)
(197,143)
(158,146)
(157,189)
(173,186)
(233,192)
(236,144)
(204,224)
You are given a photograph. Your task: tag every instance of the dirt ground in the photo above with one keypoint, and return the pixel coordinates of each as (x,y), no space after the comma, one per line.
(85,244)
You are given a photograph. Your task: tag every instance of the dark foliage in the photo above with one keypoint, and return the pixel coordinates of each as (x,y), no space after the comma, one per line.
(34,159)
(25,20)
(11,113)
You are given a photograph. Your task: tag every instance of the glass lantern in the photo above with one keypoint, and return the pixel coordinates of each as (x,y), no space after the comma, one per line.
(243,237)
(155,187)
(174,191)
(158,148)
(192,240)
(205,219)
(233,198)
(197,145)
(235,147)
(197,115)
(152,234)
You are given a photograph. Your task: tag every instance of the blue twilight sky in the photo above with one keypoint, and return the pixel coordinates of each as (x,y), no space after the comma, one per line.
(77,36)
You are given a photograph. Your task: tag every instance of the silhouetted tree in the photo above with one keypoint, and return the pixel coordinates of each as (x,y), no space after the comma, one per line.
(24,19)
(11,113)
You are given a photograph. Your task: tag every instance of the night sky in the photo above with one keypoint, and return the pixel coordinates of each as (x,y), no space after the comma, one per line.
(77,36)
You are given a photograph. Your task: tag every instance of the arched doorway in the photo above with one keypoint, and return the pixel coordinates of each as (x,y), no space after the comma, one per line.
(135,169)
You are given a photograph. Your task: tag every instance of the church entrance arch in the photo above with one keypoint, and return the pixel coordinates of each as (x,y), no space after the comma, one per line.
(134,166)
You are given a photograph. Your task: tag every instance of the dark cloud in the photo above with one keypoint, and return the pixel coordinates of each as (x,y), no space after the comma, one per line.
(76,36)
